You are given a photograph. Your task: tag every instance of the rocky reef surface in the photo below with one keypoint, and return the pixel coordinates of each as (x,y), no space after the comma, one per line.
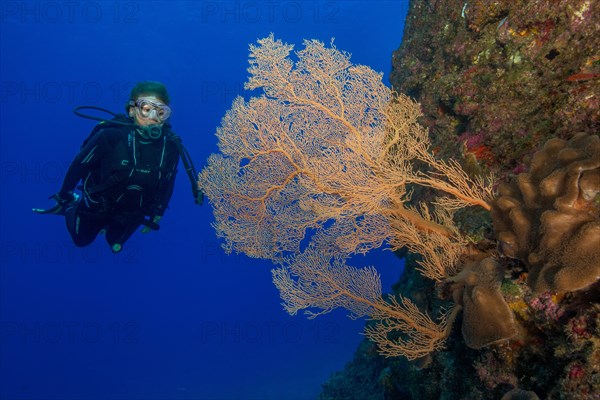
(510,88)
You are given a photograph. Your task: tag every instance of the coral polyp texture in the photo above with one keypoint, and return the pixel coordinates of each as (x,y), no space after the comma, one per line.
(500,78)
(549,217)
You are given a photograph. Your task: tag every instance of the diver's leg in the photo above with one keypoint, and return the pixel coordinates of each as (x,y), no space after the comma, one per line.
(83,225)
(120,228)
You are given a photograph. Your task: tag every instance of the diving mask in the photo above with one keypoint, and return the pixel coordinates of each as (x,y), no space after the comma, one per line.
(152,109)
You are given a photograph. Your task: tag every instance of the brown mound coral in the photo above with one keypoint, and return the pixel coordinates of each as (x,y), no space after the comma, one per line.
(550,217)
(520,394)
(487,319)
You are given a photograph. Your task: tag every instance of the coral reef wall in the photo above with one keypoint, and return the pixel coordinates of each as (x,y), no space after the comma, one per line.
(502,77)
(504,87)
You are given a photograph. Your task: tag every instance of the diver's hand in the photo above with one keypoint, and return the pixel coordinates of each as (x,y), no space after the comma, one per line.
(62,201)
(155,221)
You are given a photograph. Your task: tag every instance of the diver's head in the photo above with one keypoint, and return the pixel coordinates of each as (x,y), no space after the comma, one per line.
(148,106)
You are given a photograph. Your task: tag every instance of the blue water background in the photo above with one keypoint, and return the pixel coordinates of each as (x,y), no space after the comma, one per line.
(172,316)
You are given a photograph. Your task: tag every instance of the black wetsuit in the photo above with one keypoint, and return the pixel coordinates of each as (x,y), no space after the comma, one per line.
(124,179)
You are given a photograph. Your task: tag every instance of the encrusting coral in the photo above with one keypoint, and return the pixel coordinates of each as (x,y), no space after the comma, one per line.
(550,217)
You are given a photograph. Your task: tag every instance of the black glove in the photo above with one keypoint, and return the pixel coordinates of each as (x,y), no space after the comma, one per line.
(62,201)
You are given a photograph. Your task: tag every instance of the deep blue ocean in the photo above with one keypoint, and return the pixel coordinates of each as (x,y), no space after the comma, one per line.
(171,316)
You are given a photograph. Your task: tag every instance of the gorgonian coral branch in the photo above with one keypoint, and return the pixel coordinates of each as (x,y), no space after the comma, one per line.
(326,154)
(327,142)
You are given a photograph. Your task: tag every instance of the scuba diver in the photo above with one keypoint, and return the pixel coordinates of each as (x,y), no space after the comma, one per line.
(127,168)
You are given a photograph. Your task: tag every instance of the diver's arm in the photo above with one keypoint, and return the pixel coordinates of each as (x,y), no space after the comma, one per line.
(78,169)
(166,196)
(89,156)
(160,208)
(72,178)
